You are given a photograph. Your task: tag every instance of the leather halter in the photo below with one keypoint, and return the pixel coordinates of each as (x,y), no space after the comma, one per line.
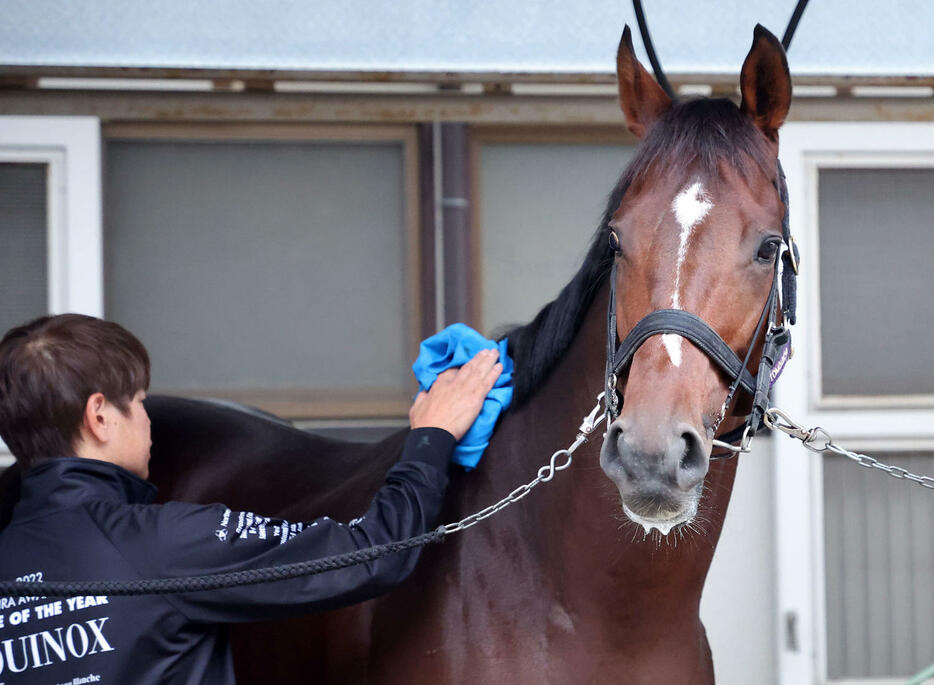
(775,350)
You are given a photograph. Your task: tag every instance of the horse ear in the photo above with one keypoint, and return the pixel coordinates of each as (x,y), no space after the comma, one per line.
(642,100)
(765,83)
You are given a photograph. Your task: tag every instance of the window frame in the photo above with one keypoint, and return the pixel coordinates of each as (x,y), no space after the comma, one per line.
(315,404)
(858,160)
(862,424)
(70,149)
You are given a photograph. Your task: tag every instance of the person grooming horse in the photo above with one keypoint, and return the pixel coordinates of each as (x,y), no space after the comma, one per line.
(71,412)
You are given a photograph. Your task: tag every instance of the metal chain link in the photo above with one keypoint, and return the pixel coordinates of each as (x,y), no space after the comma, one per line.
(819,440)
(161,586)
(545,473)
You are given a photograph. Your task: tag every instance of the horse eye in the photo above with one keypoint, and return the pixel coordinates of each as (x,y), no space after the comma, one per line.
(768,249)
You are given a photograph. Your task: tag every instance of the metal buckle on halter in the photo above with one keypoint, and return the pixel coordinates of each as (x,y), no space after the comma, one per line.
(792,255)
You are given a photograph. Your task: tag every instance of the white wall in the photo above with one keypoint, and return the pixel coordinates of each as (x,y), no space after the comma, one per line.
(738,606)
(70,149)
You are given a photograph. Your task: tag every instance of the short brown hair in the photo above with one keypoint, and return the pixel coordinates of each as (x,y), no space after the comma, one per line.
(49,368)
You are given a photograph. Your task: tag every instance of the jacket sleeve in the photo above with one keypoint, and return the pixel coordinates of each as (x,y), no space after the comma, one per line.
(178,539)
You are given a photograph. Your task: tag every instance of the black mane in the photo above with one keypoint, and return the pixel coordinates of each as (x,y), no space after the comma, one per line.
(691,137)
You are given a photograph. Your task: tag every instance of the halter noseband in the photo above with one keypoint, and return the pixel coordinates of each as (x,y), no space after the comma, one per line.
(776,348)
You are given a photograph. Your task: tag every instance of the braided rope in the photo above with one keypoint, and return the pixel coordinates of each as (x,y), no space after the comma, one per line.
(216,581)
(219,581)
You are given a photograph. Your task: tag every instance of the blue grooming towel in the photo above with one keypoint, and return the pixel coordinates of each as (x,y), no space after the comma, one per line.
(455,346)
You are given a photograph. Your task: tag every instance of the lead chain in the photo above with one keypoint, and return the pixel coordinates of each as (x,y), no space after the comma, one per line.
(819,440)
(545,473)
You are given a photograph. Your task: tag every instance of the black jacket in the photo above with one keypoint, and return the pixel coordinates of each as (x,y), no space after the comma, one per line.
(81,519)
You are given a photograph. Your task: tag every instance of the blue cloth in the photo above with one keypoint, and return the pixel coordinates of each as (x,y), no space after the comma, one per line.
(455,346)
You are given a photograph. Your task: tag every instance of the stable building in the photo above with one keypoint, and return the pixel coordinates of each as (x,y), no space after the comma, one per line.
(281,200)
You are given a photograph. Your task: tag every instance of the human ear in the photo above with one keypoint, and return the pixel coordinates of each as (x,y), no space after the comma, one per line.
(95,422)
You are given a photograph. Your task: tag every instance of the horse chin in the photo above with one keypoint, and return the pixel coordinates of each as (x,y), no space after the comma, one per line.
(666,524)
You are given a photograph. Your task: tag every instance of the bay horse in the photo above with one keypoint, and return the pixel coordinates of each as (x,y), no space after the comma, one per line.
(597,576)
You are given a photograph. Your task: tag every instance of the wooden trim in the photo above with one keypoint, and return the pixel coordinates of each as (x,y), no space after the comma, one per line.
(269,131)
(313,403)
(381,109)
(15,73)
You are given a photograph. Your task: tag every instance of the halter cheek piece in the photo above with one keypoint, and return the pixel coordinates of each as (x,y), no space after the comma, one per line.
(776,348)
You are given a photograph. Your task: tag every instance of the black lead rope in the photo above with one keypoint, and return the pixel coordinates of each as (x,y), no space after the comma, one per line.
(215,581)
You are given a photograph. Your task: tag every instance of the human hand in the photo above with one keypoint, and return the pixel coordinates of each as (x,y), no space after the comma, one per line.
(455,399)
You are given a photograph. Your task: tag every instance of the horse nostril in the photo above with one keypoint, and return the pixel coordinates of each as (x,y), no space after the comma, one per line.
(614,432)
(693,450)
(694,460)
(617,456)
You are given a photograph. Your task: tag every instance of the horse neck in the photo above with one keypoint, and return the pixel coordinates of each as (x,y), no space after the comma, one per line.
(574,524)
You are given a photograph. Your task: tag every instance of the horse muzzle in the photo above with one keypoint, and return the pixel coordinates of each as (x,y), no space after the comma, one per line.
(659,472)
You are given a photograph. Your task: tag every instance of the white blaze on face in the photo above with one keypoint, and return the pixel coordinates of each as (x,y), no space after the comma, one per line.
(690,206)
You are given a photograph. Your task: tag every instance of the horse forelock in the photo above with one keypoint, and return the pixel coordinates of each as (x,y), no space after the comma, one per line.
(691,139)
(694,137)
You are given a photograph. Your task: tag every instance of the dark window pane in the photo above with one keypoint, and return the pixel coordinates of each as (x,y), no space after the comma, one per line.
(261,266)
(23,244)
(879,555)
(541,205)
(876,280)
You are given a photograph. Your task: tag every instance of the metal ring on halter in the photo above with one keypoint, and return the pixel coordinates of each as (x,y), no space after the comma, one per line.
(744,443)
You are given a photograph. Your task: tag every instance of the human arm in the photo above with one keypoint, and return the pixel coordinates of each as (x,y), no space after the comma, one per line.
(180,539)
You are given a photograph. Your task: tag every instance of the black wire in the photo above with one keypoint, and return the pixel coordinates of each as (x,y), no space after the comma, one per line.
(653,58)
(650,49)
(793,24)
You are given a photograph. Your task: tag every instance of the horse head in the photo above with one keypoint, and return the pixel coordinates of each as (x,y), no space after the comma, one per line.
(697,229)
